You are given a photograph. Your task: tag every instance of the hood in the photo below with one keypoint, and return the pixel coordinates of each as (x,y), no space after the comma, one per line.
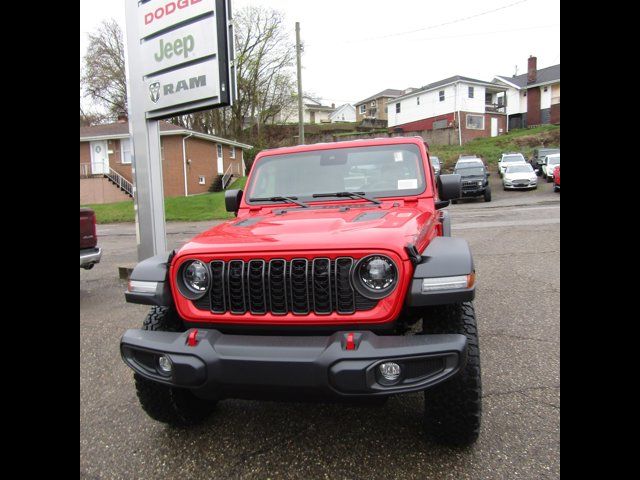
(518,176)
(318,228)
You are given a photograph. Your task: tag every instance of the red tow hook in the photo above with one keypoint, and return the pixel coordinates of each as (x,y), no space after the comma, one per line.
(192,339)
(350,344)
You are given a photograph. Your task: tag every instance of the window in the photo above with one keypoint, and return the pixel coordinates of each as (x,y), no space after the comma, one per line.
(524,94)
(373,104)
(363,109)
(232,152)
(219,151)
(441,95)
(201,180)
(418,100)
(125,143)
(398,107)
(545,89)
(470,92)
(475,122)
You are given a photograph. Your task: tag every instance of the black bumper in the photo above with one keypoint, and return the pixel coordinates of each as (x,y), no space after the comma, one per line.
(474,192)
(321,364)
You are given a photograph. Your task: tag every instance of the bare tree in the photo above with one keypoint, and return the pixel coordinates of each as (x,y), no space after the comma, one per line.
(104,80)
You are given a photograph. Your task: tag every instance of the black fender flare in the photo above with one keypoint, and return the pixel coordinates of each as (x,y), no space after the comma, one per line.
(443,257)
(153,269)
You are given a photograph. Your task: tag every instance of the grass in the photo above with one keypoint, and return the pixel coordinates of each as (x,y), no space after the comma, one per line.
(489,148)
(208,206)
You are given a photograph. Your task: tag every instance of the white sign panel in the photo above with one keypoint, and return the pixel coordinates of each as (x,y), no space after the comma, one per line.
(189,84)
(182,45)
(157,15)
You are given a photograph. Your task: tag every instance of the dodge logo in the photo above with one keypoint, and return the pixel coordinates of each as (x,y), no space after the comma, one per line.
(154,91)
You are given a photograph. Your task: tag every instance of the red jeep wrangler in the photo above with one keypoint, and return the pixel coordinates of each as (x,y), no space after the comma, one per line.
(338,278)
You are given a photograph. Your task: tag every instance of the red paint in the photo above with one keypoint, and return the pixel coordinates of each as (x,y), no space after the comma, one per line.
(350,344)
(556,176)
(424,124)
(314,233)
(192,338)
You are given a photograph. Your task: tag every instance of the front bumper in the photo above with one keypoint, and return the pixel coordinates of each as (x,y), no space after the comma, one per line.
(224,364)
(89,256)
(473,192)
(520,187)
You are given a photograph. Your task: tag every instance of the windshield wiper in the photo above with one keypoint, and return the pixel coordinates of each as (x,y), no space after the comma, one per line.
(347,194)
(280,199)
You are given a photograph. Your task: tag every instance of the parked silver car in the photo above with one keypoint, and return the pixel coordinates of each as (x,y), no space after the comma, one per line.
(519,176)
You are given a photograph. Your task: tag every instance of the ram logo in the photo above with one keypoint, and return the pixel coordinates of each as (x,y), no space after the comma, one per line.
(154,91)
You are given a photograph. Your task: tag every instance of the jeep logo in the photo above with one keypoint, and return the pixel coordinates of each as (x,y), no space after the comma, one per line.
(154,91)
(181,46)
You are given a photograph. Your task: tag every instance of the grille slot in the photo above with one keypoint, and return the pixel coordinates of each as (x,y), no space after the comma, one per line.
(235,285)
(299,286)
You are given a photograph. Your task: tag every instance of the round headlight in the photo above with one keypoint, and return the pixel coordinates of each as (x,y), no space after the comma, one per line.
(194,279)
(375,276)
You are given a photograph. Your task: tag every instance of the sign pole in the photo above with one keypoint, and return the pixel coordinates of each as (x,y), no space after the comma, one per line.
(299,67)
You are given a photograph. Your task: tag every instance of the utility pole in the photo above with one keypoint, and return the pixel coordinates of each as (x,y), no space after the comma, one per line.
(300,117)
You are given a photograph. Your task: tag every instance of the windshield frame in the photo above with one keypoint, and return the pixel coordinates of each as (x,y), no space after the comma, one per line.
(470,167)
(516,158)
(425,190)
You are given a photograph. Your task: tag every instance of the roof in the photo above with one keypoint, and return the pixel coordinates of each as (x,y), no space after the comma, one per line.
(364,142)
(389,92)
(121,130)
(544,75)
(447,81)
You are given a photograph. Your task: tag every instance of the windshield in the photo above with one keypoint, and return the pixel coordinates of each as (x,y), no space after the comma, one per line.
(519,169)
(378,171)
(555,160)
(512,158)
(468,170)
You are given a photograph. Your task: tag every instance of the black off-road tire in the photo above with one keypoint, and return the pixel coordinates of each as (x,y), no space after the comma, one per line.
(453,409)
(487,194)
(174,406)
(455,202)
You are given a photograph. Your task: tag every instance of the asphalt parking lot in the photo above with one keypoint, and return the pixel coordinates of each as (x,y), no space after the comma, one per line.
(515,240)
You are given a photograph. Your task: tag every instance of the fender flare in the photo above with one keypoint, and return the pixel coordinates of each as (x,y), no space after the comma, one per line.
(153,269)
(443,257)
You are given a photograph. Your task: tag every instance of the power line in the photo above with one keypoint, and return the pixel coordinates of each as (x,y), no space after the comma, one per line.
(438,25)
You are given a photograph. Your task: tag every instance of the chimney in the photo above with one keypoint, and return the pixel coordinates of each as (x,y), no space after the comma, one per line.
(532,69)
(122,117)
(333,105)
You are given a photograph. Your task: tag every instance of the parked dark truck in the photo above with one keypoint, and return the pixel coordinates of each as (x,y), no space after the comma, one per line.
(314,291)
(90,253)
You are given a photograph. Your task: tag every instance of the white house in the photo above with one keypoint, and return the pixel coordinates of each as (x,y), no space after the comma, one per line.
(344,113)
(312,111)
(476,105)
(533,98)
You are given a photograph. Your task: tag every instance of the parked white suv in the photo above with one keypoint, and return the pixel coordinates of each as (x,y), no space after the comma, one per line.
(510,159)
(549,164)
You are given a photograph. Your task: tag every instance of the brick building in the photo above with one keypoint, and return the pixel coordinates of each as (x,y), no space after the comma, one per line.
(190,161)
(533,97)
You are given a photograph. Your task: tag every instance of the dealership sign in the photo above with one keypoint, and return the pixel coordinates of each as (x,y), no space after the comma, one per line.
(184,56)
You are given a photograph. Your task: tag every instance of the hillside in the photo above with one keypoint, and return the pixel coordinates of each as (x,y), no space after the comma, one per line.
(521,140)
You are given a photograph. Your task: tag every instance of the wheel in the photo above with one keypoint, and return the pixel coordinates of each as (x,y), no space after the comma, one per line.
(454,202)
(555,188)
(175,406)
(453,409)
(88,267)
(487,194)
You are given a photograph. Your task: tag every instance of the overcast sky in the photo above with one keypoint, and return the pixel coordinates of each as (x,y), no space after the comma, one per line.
(355,48)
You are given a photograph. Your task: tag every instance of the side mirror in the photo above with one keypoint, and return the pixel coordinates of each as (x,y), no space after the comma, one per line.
(450,186)
(232,200)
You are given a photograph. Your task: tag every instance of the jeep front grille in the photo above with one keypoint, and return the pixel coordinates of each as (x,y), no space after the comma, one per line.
(300,286)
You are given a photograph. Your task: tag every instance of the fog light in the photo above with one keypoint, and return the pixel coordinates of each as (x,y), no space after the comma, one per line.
(165,364)
(390,371)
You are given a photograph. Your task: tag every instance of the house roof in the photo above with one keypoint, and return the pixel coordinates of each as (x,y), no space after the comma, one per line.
(446,81)
(121,130)
(389,92)
(544,75)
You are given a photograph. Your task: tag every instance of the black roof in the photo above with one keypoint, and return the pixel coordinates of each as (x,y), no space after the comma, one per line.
(389,92)
(543,75)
